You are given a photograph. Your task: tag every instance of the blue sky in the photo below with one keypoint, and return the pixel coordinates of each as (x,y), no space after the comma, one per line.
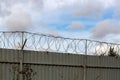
(91,19)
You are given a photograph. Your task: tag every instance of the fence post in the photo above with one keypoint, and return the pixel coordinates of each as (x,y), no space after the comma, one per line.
(86,46)
(21,56)
(85,61)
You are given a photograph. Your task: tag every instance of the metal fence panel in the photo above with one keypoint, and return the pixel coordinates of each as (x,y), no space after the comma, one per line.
(56,66)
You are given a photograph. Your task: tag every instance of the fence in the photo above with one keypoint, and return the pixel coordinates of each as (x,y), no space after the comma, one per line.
(32,56)
(37,65)
(41,42)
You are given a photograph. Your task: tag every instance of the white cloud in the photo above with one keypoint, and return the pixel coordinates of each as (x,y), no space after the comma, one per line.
(108,3)
(76,25)
(100,49)
(3,10)
(78,35)
(38,5)
(1,21)
(103,48)
(19,21)
(106,27)
(42,9)
(50,11)
(80,7)
(57,4)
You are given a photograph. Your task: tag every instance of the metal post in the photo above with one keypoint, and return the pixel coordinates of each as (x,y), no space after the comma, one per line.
(86,47)
(84,72)
(22,55)
(85,61)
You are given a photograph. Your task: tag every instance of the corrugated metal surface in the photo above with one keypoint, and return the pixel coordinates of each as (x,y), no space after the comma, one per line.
(103,74)
(57,73)
(55,66)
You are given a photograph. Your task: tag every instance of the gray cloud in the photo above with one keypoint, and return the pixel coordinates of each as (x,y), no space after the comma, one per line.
(117,8)
(80,7)
(11,3)
(88,8)
(76,25)
(106,27)
(7,5)
(20,21)
(3,10)
(36,4)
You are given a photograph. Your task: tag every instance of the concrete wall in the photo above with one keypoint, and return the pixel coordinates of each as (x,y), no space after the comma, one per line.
(57,66)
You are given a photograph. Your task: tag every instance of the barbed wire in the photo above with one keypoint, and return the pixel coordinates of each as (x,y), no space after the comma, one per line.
(42,42)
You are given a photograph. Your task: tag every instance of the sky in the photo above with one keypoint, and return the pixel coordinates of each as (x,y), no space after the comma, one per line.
(83,19)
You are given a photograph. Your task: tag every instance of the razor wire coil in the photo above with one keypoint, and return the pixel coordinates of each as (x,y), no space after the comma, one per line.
(42,42)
